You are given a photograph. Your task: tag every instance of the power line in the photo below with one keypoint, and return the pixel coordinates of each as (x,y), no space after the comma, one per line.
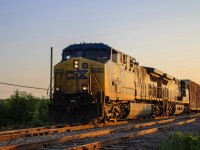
(23,86)
(5,91)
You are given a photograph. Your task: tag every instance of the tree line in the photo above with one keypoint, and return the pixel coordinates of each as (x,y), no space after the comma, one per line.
(22,110)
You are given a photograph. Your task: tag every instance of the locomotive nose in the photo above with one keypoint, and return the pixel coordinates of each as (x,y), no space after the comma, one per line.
(77,75)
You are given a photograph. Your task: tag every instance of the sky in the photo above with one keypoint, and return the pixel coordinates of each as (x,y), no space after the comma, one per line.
(160,34)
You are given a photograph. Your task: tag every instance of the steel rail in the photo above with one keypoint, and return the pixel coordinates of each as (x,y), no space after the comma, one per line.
(119,139)
(31,129)
(45,143)
(11,135)
(73,128)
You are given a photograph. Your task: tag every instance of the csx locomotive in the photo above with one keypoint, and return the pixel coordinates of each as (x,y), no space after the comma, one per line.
(95,82)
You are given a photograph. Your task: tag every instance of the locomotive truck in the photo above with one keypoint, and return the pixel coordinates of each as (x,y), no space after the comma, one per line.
(95,82)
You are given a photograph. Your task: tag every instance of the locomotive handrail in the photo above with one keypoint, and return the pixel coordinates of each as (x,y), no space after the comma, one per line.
(101,88)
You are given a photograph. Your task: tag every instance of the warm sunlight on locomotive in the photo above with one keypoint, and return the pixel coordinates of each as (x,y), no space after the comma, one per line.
(97,83)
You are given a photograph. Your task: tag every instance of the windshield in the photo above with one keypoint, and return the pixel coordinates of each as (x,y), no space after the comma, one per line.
(69,54)
(96,55)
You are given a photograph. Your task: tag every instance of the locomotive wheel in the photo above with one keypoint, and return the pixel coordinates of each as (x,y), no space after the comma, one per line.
(157,110)
(171,110)
(186,110)
(96,121)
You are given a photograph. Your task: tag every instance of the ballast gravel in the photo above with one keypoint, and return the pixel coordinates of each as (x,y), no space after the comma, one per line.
(152,141)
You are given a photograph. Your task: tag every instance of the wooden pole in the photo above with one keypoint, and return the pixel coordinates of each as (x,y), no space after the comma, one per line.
(51,69)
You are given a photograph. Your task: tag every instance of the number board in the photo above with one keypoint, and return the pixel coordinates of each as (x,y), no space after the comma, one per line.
(97,70)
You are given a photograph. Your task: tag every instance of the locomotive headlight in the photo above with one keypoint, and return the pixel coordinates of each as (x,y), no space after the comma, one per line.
(57,89)
(76,64)
(85,88)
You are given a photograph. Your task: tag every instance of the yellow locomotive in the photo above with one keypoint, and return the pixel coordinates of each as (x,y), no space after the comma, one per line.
(95,82)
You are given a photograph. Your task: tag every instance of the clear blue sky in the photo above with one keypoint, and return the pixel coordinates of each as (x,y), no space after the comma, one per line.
(160,34)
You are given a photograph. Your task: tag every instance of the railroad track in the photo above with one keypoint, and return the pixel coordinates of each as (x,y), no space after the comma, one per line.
(15,134)
(93,137)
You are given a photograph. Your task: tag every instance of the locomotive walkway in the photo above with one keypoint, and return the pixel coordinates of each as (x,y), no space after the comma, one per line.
(94,138)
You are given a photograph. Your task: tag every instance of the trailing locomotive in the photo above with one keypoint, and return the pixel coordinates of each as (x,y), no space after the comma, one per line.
(94,82)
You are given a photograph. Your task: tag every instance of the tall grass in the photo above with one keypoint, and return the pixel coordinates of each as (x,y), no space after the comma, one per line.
(180,141)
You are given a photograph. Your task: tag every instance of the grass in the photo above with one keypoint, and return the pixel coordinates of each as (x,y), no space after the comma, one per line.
(180,141)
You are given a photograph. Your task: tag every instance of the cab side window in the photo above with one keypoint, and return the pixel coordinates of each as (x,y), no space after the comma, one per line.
(124,59)
(114,56)
(132,61)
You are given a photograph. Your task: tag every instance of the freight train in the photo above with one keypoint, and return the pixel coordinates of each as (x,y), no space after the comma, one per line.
(95,82)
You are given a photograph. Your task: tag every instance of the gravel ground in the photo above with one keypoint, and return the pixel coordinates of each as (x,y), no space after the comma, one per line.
(151,142)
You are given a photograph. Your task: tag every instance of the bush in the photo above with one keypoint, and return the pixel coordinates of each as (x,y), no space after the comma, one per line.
(23,110)
(179,141)
(41,116)
(4,111)
(22,107)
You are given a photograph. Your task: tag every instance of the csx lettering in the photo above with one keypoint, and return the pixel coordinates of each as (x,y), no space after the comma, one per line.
(76,74)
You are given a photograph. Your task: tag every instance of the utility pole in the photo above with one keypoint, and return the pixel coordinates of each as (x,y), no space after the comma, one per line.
(51,68)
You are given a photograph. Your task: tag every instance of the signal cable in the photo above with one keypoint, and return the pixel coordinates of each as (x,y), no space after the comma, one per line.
(23,86)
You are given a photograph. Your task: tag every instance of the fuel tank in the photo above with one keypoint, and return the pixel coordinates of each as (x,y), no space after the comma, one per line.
(140,110)
(179,109)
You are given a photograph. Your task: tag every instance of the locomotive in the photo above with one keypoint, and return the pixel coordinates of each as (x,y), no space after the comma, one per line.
(95,82)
